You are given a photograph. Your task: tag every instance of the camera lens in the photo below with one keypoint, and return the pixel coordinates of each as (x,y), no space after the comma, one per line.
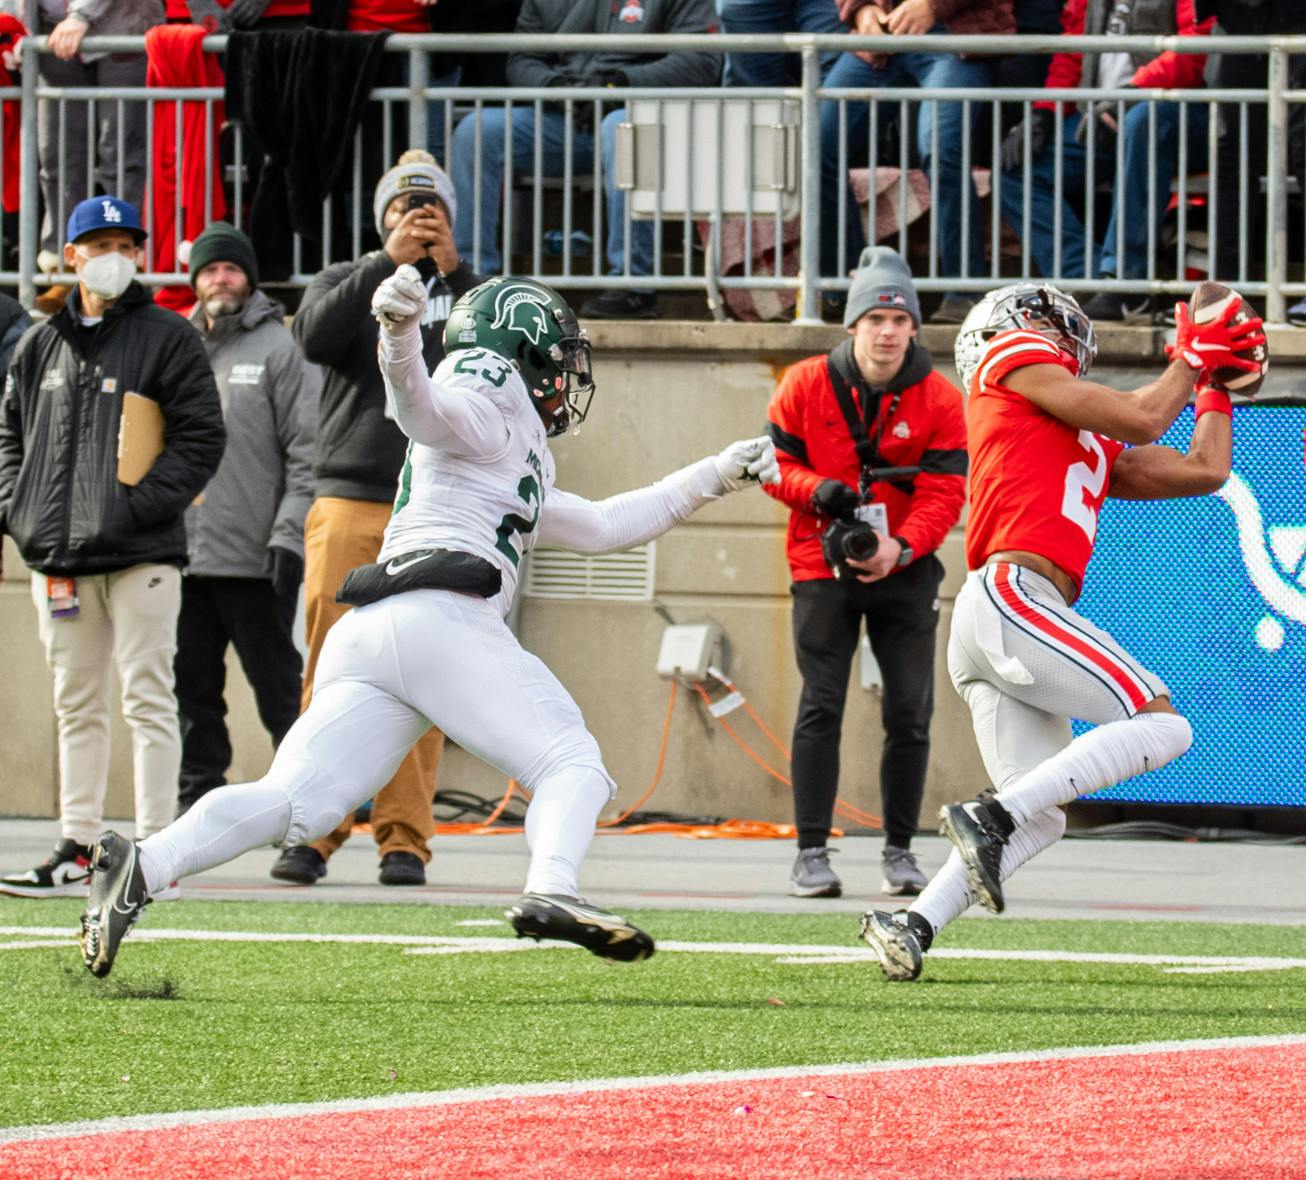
(860,542)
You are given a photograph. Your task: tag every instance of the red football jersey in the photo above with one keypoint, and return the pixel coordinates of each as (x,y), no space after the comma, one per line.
(1036,483)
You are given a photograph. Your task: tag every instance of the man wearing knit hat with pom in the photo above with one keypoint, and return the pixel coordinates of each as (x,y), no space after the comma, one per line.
(837,420)
(360,453)
(245,538)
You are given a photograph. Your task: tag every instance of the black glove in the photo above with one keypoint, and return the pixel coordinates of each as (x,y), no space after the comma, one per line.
(1038,127)
(245,14)
(834,498)
(287,571)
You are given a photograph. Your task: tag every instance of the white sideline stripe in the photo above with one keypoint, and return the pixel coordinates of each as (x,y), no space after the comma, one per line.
(789,953)
(235,1114)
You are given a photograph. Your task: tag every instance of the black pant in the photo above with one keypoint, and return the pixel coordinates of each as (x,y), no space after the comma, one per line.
(901,619)
(216,612)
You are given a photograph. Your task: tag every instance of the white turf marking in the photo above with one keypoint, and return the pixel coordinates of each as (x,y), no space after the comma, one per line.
(803,954)
(160,1122)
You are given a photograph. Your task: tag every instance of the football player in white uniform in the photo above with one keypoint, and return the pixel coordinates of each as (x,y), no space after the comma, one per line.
(427,643)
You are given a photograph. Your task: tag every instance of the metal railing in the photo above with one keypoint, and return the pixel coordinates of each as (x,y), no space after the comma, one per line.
(679,238)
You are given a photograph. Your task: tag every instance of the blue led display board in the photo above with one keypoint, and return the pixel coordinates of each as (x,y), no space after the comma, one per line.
(1209,593)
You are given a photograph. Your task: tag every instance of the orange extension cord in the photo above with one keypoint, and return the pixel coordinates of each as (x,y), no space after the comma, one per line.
(731,829)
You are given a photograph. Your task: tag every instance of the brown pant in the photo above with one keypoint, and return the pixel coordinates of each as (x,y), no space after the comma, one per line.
(338,536)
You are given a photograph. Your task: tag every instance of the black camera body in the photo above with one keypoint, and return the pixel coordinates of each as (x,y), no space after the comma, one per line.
(848,536)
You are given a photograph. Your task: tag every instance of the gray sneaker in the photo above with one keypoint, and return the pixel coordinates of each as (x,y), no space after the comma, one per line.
(894,944)
(902,875)
(812,875)
(117,899)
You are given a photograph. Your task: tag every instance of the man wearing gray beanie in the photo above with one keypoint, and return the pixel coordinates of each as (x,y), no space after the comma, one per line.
(245,537)
(360,453)
(837,419)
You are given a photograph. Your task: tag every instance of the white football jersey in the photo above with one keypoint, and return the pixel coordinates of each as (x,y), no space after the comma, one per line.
(484,504)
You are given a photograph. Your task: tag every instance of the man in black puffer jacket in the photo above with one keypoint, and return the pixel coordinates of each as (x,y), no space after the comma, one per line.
(104,532)
(360,453)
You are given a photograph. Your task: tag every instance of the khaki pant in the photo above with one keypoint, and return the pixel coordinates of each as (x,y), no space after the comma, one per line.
(340,535)
(127,619)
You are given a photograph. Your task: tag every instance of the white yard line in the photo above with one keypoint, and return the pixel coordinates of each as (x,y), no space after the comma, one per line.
(805,954)
(158,1122)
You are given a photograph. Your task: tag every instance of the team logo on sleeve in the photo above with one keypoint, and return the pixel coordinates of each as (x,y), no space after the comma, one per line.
(518,309)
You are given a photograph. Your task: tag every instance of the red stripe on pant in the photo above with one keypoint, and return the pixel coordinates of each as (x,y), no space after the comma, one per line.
(1007,590)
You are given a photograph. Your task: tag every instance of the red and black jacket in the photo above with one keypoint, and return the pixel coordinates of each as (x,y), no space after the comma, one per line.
(924,426)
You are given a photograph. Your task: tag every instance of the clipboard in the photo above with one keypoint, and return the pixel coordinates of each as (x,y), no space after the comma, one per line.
(140,437)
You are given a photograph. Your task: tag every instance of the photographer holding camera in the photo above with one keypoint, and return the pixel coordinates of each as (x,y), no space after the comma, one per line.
(872,449)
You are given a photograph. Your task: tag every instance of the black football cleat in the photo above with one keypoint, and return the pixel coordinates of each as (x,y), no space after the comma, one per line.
(894,944)
(979,830)
(569,919)
(117,900)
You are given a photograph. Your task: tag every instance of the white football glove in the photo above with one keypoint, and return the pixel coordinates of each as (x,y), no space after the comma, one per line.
(399,300)
(750,460)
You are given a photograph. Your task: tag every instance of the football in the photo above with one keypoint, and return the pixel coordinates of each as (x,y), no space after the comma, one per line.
(1210,301)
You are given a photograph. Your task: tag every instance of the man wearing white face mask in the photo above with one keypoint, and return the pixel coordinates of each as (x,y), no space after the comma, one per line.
(106,543)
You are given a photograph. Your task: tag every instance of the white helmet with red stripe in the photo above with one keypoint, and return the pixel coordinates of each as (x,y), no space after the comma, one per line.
(1034,307)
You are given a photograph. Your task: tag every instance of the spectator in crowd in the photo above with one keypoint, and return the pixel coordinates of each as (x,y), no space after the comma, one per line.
(14,321)
(246,537)
(874,402)
(102,532)
(776,16)
(928,70)
(120,152)
(227,16)
(492,130)
(360,455)
(1241,154)
(1147,161)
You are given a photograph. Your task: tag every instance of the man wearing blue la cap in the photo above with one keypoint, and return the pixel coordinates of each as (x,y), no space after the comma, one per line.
(105,543)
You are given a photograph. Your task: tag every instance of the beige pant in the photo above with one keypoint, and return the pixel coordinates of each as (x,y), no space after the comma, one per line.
(127,619)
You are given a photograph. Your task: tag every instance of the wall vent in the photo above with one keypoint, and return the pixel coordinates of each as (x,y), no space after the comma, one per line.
(606,577)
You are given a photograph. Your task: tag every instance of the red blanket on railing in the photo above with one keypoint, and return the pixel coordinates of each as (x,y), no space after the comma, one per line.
(176,59)
(12,31)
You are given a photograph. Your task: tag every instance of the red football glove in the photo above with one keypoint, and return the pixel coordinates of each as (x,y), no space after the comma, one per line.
(1217,344)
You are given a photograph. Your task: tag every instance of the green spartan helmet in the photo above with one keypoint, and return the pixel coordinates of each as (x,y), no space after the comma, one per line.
(530,325)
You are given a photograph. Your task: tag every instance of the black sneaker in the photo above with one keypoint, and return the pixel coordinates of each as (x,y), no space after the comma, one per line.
(899,951)
(1128,309)
(979,830)
(300,864)
(569,919)
(66,874)
(117,900)
(402,868)
(622,305)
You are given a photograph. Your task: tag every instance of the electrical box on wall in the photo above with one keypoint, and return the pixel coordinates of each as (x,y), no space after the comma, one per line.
(688,650)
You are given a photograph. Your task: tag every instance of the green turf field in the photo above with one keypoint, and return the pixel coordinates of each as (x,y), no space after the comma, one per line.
(198,1024)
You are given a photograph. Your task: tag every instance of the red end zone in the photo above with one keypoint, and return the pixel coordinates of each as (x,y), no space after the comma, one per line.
(1191,1114)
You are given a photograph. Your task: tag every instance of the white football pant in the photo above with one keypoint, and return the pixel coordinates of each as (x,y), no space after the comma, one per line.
(387,672)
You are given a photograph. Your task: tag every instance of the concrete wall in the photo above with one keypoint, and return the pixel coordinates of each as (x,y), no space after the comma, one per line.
(668,393)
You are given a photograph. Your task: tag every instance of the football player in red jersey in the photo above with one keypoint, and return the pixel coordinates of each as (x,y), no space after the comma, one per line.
(1046,449)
